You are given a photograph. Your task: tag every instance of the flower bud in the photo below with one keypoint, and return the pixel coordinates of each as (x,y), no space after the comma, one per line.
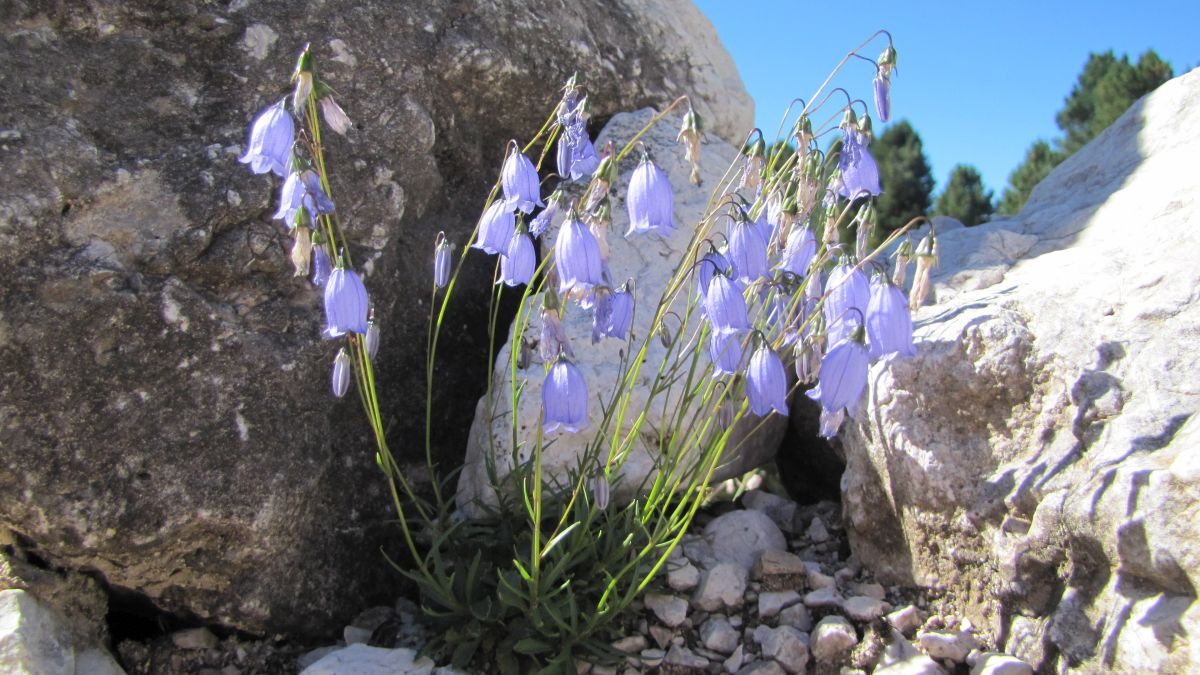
(341,373)
(441,261)
(600,489)
(372,339)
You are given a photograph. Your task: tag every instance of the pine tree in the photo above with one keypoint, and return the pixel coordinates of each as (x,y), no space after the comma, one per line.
(1039,161)
(964,197)
(904,175)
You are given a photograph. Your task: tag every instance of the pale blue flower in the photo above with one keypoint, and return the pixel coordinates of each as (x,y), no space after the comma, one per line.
(766,382)
(889,322)
(747,251)
(341,373)
(271,138)
(519,262)
(564,398)
(577,257)
(519,180)
(346,305)
(496,228)
(650,201)
(725,352)
(725,306)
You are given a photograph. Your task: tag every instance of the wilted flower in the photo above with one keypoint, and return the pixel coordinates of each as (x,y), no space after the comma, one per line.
(766,382)
(601,312)
(598,223)
(799,251)
(690,134)
(650,200)
(554,206)
(519,262)
(849,292)
(519,180)
(371,341)
(843,375)
(752,169)
(864,224)
(554,337)
(747,251)
(321,264)
(576,156)
(271,139)
(577,257)
(334,116)
(441,260)
(927,255)
(302,251)
(725,352)
(345,303)
(341,373)
(803,131)
(889,324)
(808,356)
(496,228)
(725,306)
(564,398)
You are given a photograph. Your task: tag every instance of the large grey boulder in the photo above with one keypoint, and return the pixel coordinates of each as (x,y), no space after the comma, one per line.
(166,416)
(649,260)
(1037,461)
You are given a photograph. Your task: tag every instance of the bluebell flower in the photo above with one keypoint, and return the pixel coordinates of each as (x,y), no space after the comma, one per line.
(321,264)
(622,313)
(747,251)
(889,323)
(291,198)
(496,228)
(859,172)
(650,201)
(584,160)
(725,306)
(312,188)
(577,257)
(831,421)
(346,304)
(519,180)
(518,262)
(564,398)
(712,263)
(271,138)
(883,101)
(341,373)
(849,292)
(799,251)
(725,352)
(766,382)
(441,260)
(843,375)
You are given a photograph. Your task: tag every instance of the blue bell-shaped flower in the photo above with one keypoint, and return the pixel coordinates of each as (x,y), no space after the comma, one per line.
(564,398)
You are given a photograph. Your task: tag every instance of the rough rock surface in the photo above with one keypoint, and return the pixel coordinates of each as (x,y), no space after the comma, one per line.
(166,416)
(649,260)
(37,639)
(1037,461)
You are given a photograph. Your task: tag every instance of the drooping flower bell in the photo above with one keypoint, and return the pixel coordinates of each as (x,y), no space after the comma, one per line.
(725,306)
(496,228)
(621,319)
(726,353)
(849,292)
(564,398)
(601,312)
(903,254)
(577,257)
(752,170)
(341,373)
(712,263)
(864,224)
(271,138)
(690,134)
(766,382)
(859,172)
(322,266)
(519,180)
(315,196)
(604,177)
(441,260)
(334,116)
(346,303)
(843,375)
(747,251)
(650,200)
(292,197)
(889,323)
(883,83)
(519,262)
(799,251)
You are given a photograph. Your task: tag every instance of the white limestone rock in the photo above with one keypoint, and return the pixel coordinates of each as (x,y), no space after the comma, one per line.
(359,659)
(33,637)
(742,536)
(832,639)
(671,610)
(722,587)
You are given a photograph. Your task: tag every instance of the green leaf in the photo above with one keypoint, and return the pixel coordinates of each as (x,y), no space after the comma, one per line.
(531,646)
(559,537)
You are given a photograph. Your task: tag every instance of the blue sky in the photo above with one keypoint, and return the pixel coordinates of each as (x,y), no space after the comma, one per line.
(979,81)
